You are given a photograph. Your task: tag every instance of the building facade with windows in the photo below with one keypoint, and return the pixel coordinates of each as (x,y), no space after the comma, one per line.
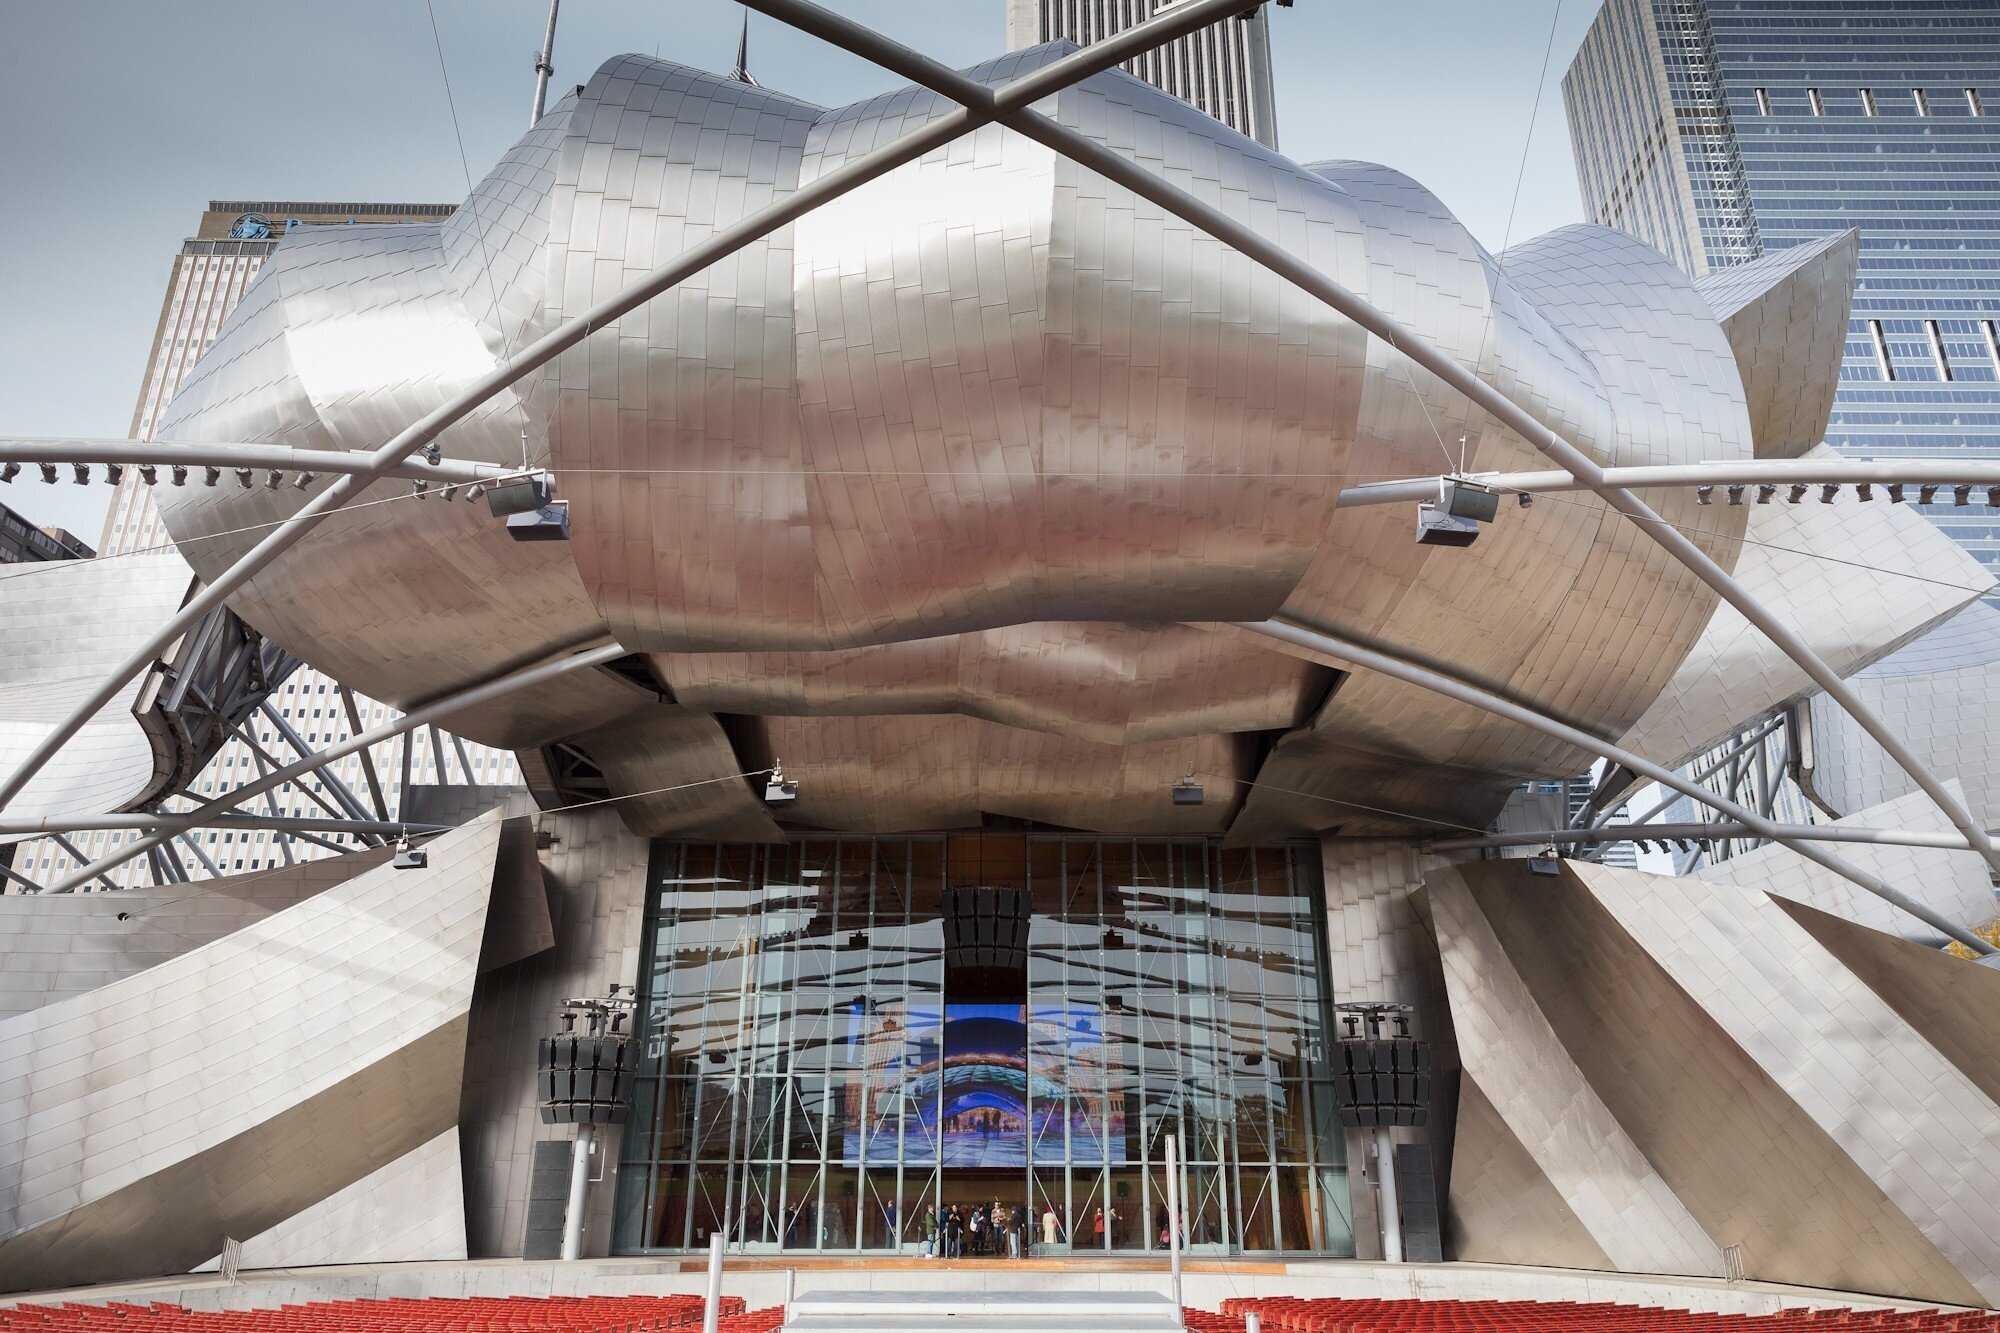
(1723,130)
(208,277)
(1224,69)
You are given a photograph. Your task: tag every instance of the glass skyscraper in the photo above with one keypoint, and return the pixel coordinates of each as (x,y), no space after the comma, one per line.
(1722,130)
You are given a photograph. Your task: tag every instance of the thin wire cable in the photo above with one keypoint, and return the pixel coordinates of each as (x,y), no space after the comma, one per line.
(478,223)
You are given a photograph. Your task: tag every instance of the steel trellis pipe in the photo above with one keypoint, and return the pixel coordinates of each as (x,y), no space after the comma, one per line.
(908,147)
(260,457)
(1769,471)
(416,717)
(181,821)
(892,55)
(1324,646)
(1634,832)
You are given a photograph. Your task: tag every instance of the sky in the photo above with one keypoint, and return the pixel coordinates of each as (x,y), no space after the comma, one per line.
(130,115)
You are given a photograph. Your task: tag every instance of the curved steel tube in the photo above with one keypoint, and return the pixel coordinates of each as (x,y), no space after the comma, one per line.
(1338,651)
(262,457)
(1022,92)
(1767,471)
(1890,837)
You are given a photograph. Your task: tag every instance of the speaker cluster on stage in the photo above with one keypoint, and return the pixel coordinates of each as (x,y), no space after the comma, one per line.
(1382,1074)
(585,1077)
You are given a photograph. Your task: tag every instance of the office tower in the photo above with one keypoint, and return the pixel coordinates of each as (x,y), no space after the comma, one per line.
(1722,130)
(21,541)
(209,275)
(1225,69)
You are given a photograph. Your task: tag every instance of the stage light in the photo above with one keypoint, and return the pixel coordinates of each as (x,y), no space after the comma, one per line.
(1524,499)
(149,474)
(81,471)
(1736,495)
(550,523)
(9,471)
(1704,495)
(113,473)
(1925,494)
(1961,496)
(274,479)
(1828,492)
(1764,494)
(48,473)
(1187,791)
(1798,493)
(1895,492)
(520,495)
(243,478)
(304,479)
(408,857)
(779,788)
(180,475)
(1863,491)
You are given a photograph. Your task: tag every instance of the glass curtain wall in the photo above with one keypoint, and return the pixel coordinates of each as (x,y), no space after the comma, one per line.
(811,1082)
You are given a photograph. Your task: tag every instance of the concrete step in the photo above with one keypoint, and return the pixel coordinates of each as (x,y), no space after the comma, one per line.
(982,1312)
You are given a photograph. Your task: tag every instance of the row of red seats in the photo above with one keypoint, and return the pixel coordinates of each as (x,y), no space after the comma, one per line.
(508,1314)
(1291,1314)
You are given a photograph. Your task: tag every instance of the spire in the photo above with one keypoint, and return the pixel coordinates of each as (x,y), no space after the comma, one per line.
(742,71)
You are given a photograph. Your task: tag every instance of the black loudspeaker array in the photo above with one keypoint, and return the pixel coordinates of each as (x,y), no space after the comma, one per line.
(585,1078)
(1380,1077)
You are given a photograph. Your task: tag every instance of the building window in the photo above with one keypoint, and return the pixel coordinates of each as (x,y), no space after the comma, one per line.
(1881,345)
(1815,101)
(1973,105)
(1763,102)
(1867,102)
(1937,349)
(1921,101)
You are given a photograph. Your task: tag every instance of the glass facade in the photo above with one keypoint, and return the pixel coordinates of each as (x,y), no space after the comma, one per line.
(1836,113)
(842,1034)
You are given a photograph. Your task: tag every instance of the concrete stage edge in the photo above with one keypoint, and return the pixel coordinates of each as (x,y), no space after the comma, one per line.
(763,1280)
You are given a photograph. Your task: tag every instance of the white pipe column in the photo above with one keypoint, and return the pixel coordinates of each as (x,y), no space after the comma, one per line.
(1385,1184)
(579,1189)
(711,1299)
(1174,1215)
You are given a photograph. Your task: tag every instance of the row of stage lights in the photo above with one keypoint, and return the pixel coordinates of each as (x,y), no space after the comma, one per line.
(1961,495)
(527,502)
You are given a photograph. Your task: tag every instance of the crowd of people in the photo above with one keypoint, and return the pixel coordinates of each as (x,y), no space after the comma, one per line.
(987,1229)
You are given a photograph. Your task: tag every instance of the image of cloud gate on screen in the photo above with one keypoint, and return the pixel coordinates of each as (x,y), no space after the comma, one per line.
(1013,747)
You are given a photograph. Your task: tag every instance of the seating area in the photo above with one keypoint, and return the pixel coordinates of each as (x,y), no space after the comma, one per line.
(516,1314)
(1285,1314)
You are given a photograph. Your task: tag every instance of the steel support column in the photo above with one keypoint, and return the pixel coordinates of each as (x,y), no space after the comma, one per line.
(367,759)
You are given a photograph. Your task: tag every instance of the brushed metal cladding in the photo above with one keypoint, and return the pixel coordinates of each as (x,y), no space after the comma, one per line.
(1110,683)
(1954,884)
(988,400)
(409,1211)
(1662,1000)
(58,946)
(680,777)
(68,624)
(1508,1048)
(1501,1208)
(229,1087)
(346,336)
(1941,693)
(1950,1000)
(1786,319)
(1856,581)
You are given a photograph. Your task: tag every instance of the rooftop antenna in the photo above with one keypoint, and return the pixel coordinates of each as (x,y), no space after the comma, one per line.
(742,71)
(545,64)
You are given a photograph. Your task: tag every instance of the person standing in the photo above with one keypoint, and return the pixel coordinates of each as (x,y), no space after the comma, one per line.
(1011,1232)
(975,1228)
(954,1233)
(930,1232)
(1097,1229)
(1051,1227)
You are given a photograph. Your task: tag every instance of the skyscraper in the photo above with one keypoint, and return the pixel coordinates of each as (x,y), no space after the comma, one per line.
(1225,69)
(1722,130)
(209,275)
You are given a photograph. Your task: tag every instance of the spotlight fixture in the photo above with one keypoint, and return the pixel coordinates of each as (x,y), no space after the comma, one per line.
(1961,496)
(433,453)
(82,473)
(1828,491)
(274,479)
(421,489)
(149,474)
(1798,492)
(1524,499)
(113,473)
(1545,862)
(1764,494)
(408,857)
(210,475)
(9,471)
(304,479)
(1454,518)
(1863,491)
(1187,791)
(1704,495)
(243,478)
(180,475)
(1736,495)
(778,787)
(48,473)
(1926,493)
(1993,497)
(550,523)
(1895,492)
(520,495)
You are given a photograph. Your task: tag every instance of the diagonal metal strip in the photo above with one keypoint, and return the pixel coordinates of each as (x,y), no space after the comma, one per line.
(921,69)
(1050,79)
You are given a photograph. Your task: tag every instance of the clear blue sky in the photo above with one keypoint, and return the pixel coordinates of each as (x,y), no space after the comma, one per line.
(129,115)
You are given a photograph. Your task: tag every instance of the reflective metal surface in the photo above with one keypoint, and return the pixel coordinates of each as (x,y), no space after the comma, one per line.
(848,485)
